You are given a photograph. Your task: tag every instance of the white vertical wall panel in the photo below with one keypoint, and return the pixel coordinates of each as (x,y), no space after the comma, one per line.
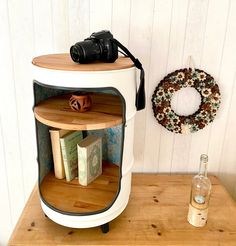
(227,119)
(100,15)
(193,44)
(210,62)
(228,159)
(120,20)
(21,58)
(158,66)
(79,20)
(175,55)
(162,34)
(43,29)
(5,211)
(140,45)
(225,78)
(11,163)
(60,22)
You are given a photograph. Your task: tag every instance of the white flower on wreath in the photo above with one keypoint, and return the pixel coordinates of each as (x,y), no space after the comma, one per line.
(180,76)
(160,116)
(190,82)
(160,92)
(171,90)
(206,92)
(185,128)
(201,76)
(167,110)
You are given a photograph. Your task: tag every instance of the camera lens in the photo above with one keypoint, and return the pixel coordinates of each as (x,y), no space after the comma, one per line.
(76,53)
(85,51)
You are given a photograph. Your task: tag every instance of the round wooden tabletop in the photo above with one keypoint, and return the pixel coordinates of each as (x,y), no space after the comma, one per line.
(64,62)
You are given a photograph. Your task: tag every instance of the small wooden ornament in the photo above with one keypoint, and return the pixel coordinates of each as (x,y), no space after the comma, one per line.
(80,101)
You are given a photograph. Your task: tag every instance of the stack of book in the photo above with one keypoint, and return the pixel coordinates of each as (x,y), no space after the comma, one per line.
(75,156)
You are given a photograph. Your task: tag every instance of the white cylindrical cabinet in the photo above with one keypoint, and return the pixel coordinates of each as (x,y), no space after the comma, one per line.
(113,90)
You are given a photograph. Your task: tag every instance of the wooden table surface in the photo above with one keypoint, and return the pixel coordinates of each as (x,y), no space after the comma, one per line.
(155,215)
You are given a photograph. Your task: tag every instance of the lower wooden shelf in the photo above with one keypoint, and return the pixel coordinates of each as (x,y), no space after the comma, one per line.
(75,198)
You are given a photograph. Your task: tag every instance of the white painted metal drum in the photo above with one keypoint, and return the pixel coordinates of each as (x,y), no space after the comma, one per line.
(123,80)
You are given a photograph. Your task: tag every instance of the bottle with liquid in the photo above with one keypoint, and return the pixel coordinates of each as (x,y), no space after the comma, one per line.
(200,195)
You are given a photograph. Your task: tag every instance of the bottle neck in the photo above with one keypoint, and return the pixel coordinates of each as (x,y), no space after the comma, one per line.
(203,168)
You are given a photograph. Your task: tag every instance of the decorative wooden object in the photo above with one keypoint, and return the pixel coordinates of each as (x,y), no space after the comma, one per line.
(156,215)
(65,63)
(106,112)
(80,102)
(73,197)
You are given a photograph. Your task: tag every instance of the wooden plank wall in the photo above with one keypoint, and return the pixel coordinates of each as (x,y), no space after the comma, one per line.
(162,33)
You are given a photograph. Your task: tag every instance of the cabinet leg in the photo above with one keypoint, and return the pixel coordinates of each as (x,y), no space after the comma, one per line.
(105,228)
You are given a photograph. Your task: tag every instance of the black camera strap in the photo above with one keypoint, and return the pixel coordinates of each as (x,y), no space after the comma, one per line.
(140,95)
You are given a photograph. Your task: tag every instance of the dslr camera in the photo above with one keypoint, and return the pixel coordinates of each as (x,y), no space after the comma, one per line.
(99,46)
(103,47)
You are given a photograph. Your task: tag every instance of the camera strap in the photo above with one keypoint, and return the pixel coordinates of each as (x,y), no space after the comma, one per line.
(140,95)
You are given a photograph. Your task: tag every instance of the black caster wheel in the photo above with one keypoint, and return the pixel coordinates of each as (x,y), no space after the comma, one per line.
(105,228)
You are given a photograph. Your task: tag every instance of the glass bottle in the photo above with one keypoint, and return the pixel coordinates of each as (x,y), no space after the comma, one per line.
(200,195)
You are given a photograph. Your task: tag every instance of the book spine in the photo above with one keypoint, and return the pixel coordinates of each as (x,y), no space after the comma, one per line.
(59,170)
(65,160)
(82,165)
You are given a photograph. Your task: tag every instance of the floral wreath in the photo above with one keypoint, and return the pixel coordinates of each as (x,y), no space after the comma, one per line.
(210,100)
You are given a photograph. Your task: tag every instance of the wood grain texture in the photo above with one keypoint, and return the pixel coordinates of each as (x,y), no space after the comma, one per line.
(106,112)
(73,197)
(64,62)
(155,215)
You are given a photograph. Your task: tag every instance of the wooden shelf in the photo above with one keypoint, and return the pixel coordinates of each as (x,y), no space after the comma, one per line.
(64,62)
(106,112)
(72,197)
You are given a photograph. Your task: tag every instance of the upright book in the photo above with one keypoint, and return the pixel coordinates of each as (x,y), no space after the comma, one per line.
(55,135)
(89,159)
(69,153)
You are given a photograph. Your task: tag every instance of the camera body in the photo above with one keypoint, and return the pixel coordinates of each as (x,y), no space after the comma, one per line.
(98,46)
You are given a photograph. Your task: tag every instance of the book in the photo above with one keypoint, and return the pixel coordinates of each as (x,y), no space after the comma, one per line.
(89,159)
(69,153)
(55,135)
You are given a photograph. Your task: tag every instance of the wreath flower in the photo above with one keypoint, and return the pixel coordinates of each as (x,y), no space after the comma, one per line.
(180,76)
(201,76)
(210,100)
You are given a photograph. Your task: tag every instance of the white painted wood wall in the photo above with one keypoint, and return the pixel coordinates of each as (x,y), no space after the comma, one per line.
(162,33)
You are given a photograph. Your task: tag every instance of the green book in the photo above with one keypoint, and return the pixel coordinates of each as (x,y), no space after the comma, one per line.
(89,159)
(69,153)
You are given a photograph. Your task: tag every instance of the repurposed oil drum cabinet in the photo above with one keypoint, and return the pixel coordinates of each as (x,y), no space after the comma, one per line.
(112,87)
